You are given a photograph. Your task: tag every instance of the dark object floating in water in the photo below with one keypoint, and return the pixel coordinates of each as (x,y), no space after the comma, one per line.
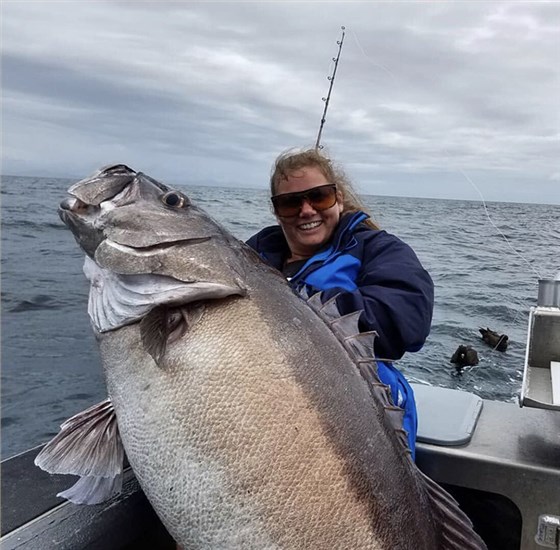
(492,338)
(464,356)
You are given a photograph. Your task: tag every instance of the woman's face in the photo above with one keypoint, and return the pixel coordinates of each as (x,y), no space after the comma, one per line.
(309,230)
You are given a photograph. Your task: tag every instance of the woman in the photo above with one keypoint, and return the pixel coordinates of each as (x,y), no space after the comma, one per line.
(325,241)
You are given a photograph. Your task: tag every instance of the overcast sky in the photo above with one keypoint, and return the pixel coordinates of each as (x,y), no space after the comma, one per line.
(431,99)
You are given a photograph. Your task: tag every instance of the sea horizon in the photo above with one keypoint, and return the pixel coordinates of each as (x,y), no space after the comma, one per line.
(265,188)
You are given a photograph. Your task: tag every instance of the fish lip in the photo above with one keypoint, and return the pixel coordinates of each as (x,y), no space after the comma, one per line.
(157,247)
(103,185)
(74,207)
(78,217)
(74,215)
(72,204)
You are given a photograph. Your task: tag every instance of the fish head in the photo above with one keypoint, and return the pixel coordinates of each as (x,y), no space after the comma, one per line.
(146,238)
(118,214)
(131,209)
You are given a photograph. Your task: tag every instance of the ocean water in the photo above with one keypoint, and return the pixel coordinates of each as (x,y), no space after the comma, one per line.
(50,362)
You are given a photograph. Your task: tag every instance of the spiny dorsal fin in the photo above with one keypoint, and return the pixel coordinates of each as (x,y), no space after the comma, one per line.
(360,348)
(88,445)
(362,343)
(347,325)
(313,301)
(328,310)
(455,527)
(382,393)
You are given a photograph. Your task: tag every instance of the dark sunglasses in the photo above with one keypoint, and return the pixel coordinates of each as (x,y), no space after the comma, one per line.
(320,198)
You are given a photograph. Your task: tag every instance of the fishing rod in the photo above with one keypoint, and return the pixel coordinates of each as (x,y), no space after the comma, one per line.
(327,99)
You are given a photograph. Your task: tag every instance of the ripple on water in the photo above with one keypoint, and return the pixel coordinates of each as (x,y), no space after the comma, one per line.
(50,361)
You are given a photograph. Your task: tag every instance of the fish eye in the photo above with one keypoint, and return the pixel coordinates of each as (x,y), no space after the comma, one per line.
(175,199)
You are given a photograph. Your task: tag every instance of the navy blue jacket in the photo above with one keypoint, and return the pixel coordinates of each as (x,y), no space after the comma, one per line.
(381,275)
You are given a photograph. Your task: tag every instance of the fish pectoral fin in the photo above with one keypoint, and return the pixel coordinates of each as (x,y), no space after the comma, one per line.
(154,330)
(190,315)
(88,445)
(165,325)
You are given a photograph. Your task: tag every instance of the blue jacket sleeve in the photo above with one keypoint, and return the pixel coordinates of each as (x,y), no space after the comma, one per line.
(252,242)
(395,294)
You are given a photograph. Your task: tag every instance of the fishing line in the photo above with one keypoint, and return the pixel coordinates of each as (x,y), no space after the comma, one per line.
(458,170)
(491,221)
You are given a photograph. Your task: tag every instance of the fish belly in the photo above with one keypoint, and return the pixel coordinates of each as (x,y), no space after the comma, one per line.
(257,431)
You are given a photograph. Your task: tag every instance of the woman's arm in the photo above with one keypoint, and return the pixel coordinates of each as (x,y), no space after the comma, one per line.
(395,294)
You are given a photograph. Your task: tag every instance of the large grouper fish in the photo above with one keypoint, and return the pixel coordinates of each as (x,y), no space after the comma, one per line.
(252,417)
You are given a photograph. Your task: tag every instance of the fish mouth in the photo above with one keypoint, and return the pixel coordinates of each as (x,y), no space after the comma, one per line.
(155,248)
(118,208)
(75,206)
(71,209)
(79,217)
(96,193)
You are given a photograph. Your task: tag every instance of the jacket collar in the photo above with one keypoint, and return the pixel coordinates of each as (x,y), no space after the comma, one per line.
(272,244)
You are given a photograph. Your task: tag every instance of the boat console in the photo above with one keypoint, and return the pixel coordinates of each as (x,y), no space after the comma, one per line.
(541,374)
(500,461)
(506,477)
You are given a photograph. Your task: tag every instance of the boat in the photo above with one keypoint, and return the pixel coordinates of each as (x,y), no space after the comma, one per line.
(501,462)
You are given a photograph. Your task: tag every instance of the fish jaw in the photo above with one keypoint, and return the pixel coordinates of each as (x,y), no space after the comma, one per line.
(82,210)
(79,218)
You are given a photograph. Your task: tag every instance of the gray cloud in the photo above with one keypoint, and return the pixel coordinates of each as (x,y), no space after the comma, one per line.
(431,99)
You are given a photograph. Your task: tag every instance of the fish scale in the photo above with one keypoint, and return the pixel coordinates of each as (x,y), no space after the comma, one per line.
(257,423)
(237,447)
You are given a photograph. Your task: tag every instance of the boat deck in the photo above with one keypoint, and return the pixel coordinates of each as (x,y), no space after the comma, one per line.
(514,452)
(34,517)
(514,455)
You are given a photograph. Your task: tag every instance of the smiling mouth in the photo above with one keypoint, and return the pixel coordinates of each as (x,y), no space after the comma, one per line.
(309,225)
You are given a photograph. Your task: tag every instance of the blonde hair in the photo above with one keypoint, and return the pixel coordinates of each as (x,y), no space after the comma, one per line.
(292,160)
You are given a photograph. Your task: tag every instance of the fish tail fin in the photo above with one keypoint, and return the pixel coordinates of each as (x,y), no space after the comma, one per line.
(454,526)
(87,445)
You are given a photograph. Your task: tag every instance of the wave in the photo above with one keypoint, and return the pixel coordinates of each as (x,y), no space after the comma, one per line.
(479,283)
(38,302)
(32,225)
